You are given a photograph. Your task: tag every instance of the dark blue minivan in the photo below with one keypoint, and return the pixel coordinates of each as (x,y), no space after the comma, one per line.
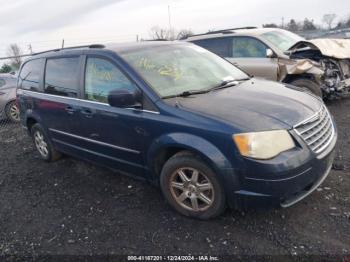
(182,117)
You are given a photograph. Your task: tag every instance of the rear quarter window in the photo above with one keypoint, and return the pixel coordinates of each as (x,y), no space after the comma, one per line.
(30,75)
(62,76)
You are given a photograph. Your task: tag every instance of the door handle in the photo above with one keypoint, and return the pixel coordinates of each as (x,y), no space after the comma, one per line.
(70,109)
(87,112)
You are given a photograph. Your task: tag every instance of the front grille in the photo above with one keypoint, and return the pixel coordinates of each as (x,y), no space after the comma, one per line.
(317,131)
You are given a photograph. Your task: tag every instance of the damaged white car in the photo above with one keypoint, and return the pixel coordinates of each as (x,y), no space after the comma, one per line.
(334,57)
(322,65)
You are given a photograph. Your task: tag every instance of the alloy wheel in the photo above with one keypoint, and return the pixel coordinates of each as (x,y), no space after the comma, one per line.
(192,189)
(14,112)
(41,144)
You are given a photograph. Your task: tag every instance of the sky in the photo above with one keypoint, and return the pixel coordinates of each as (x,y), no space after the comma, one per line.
(43,24)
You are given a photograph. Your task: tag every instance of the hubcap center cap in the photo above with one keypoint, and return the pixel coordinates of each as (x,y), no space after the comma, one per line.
(192,188)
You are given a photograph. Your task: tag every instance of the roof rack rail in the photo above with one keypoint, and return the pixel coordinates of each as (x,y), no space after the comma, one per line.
(224,31)
(71,47)
(55,50)
(158,39)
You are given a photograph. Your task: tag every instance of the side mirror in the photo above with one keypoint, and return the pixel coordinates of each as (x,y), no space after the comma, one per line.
(269,53)
(124,98)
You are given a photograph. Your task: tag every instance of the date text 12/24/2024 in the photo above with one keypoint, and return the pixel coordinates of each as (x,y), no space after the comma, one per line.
(173,258)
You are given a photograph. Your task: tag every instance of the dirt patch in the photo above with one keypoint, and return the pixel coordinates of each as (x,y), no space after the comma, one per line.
(74,208)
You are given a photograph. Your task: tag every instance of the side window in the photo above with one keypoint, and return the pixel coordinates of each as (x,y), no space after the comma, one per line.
(30,75)
(2,82)
(62,76)
(101,77)
(248,47)
(219,46)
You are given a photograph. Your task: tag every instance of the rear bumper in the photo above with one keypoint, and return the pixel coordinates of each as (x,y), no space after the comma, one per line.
(285,186)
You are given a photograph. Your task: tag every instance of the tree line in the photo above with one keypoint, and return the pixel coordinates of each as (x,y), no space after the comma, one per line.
(307,24)
(159,33)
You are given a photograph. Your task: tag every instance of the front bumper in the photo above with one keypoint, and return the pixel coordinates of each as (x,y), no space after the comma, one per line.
(282,182)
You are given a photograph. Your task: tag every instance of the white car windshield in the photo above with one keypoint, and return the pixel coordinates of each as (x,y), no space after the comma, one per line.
(177,68)
(282,39)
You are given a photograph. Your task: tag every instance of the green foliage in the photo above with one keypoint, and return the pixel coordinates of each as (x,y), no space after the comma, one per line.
(5,68)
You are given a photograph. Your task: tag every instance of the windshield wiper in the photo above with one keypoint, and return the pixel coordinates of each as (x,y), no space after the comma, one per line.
(188,93)
(228,82)
(225,82)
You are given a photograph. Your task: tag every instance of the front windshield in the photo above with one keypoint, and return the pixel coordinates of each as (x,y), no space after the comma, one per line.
(174,69)
(282,39)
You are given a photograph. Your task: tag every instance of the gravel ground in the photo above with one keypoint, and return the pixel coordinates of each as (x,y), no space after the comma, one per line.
(75,208)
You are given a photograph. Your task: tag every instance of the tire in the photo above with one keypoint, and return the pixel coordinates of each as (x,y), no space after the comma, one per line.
(199,196)
(310,85)
(12,112)
(43,144)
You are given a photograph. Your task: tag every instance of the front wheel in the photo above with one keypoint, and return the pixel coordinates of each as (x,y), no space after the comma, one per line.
(191,187)
(310,85)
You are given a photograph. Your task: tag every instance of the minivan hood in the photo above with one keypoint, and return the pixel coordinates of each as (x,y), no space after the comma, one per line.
(254,105)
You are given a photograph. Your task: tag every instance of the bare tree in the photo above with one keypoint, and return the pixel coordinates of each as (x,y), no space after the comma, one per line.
(15,52)
(158,33)
(184,33)
(328,19)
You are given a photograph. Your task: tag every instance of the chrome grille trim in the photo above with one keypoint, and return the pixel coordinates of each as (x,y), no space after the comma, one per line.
(317,131)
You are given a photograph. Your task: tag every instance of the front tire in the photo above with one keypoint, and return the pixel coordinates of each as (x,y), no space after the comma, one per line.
(191,187)
(309,85)
(43,144)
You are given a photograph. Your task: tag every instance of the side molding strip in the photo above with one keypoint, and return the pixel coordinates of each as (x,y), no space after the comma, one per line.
(95,141)
(98,154)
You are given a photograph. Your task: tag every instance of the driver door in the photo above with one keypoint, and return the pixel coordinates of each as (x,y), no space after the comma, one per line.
(111,135)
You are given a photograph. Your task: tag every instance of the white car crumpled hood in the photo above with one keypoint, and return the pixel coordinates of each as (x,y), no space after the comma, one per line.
(336,48)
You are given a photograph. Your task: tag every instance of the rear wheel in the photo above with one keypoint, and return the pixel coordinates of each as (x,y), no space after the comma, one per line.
(310,85)
(43,144)
(12,111)
(191,187)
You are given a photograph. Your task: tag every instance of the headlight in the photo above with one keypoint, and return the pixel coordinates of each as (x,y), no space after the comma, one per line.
(263,145)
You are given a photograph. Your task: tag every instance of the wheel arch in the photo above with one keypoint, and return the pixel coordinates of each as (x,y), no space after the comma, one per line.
(30,120)
(292,77)
(168,145)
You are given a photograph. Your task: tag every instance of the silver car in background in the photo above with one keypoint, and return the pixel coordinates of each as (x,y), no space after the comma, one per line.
(320,65)
(8,106)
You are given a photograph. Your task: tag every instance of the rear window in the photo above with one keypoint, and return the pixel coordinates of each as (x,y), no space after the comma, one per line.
(30,75)
(61,76)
